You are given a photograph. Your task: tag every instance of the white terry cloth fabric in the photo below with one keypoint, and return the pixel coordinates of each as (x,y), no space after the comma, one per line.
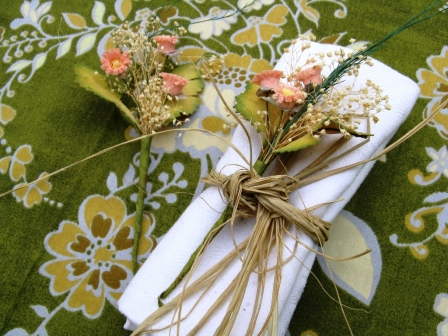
(165,263)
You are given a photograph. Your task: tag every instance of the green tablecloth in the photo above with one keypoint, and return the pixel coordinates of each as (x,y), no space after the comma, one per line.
(65,246)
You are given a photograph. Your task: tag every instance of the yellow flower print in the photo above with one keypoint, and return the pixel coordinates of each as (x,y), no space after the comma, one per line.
(32,194)
(16,162)
(434,84)
(7,113)
(262,28)
(93,258)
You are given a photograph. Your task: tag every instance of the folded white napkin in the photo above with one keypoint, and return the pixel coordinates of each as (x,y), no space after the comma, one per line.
(165,263)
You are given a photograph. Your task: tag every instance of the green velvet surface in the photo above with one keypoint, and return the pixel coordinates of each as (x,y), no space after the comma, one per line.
(61,123)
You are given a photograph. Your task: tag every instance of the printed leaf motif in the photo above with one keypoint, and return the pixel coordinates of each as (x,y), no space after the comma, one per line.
(85,43)
(88,80)
(64,48)
(39,60)
(332,39)
(359,276)
(98,13)
(17,332)
(436,197)
(112,182)
(106,43)
(19,65)
(123,8)
(309,12)
(40,310)
(74,20)
(128,177)
(301,143)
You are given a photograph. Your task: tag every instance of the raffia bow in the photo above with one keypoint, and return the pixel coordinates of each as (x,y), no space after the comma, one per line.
(253,195)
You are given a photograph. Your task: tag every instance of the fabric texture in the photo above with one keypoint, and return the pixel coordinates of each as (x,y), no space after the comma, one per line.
(65,250)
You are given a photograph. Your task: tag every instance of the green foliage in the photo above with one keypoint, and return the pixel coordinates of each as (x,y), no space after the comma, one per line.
(248,104)
(301,143)
(189,104)
(86,77)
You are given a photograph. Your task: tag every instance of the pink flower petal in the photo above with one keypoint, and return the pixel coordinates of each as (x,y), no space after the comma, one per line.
(173,84)
(166,43)
(310,75)
(268,78)
(286,96)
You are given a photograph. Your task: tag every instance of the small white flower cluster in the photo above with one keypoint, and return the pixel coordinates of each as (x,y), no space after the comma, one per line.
(343,107)
(337,108)
(142,81)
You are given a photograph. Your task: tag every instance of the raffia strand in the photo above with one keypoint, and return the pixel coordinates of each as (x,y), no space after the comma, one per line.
(245,191)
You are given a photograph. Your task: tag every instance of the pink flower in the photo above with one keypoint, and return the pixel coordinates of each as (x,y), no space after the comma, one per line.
(165,43)
(310,75)
(114,62)
(268,78)
(173,84)
(286,96)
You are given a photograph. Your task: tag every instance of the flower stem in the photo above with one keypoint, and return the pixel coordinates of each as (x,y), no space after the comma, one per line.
(143,174)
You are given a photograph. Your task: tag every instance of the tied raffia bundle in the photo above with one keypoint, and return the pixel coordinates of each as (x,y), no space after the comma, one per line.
(248,279)
(267,199)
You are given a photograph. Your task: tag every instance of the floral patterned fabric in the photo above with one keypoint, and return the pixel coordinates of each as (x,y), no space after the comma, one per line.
(66,240)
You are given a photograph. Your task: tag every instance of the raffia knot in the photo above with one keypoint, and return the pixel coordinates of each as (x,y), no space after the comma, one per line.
(251,194)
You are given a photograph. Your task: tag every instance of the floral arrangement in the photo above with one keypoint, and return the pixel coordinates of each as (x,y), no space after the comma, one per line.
(156,88)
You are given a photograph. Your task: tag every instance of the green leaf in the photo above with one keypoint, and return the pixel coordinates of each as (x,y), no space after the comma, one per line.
(97,84)
(191,73)
(248,104)
(190,103)
(301,143)
(181,107)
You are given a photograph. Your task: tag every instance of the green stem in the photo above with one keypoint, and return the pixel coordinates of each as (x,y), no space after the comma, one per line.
(143,173)
(259,167)
(227,213)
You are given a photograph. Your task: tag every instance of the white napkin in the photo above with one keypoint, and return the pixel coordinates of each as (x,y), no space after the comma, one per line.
(165,263)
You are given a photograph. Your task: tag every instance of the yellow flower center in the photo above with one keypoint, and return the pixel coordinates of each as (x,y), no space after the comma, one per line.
(116,63)
(287,92)
(103,254)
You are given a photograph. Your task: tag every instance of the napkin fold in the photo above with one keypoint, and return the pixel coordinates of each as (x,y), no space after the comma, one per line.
(165,263)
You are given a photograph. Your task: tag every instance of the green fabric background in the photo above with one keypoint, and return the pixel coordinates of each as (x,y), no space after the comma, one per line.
(64,123)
